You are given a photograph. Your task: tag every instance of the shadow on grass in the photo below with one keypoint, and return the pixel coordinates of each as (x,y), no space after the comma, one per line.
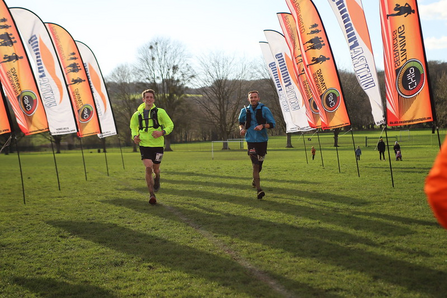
(238,178)
(311,195)
(399,168)
(48,287)
(395,218)
(203,265)
(325,215)
(334,248)
(320,196)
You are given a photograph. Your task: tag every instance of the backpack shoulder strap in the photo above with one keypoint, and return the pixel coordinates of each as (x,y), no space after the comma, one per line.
(154,117)
(247,117)
(259,118)
(140,121)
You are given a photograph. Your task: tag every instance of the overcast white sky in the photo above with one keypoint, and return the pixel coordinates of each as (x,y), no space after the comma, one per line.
(115,29)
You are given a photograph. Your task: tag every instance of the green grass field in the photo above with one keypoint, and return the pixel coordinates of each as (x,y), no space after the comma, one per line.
(324,228)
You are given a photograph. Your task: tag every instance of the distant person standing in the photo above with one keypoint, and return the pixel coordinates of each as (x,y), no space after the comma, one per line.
(149,125)
(313,151)
(254,121)
(396,147)
(381,148)
(358,152)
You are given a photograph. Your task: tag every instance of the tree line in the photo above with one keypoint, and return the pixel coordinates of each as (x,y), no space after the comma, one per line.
(204,99)
(204,95)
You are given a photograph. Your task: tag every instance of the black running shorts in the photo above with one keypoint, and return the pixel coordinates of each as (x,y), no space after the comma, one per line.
(257,151)
(153,153)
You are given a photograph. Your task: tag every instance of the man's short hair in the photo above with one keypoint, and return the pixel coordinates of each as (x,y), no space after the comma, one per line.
(148,91)
(254,91)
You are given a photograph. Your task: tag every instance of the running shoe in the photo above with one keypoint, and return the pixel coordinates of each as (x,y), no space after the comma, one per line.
(153,200)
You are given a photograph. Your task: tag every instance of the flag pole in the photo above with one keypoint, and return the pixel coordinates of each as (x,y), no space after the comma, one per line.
(83,159)
(338,158)
(13,137)
(20,167)
(321,151)
(389,156)
(305,149)
(105,156)
(439,138)
(121,150)
(55,163)
(430,88)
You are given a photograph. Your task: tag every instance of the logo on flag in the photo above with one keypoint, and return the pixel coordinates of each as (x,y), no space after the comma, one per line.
(313,106)
(86,113)
(331,100)
(28,102)
(410,78)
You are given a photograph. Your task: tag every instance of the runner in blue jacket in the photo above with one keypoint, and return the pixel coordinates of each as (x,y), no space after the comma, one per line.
(254,121)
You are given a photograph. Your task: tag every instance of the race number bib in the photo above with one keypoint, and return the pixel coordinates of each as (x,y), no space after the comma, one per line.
(158,156)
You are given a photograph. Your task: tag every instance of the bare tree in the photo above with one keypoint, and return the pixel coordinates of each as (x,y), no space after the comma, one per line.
(125,97)
(438,81)
(440,98)
(223,82)
(163,63)
(357,102)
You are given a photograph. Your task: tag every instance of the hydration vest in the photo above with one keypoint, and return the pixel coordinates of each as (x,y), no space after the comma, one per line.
(259,118)
(153,114)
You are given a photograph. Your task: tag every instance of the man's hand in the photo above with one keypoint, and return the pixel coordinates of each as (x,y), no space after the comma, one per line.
(157,133)
(136,139)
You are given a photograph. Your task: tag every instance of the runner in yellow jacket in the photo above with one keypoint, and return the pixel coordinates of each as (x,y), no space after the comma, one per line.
(436,186)
(149,124)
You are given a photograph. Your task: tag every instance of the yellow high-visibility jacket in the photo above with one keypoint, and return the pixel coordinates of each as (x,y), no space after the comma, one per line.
(147,140)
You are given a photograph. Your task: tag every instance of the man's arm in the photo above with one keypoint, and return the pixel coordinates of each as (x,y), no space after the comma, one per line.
(269,118)
(165,120)
(134,125)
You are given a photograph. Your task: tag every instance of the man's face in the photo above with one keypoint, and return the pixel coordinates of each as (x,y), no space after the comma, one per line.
(253,98)
(148,98)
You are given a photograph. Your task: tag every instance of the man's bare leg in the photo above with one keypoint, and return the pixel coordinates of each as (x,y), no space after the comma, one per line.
(150,180)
